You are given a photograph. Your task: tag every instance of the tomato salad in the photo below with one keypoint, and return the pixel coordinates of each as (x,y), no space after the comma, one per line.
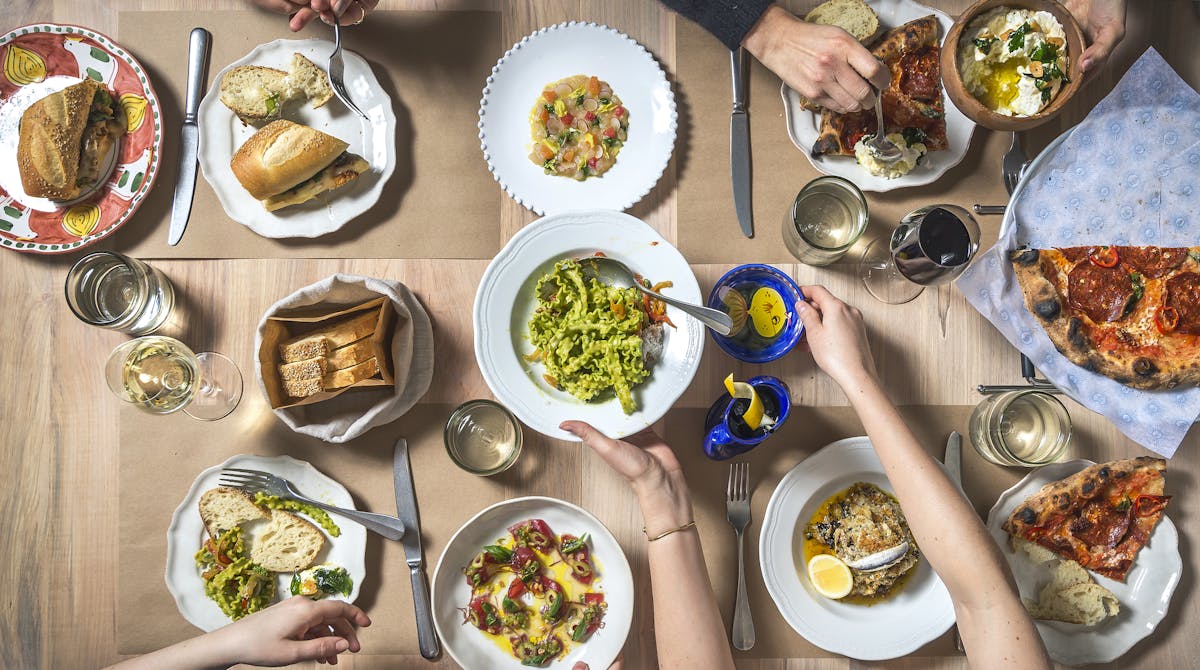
(579,126)
(532,592)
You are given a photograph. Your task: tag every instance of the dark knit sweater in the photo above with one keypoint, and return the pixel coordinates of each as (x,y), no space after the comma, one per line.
(727,20)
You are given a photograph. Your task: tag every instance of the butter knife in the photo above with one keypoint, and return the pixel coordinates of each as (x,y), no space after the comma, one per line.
(739,142)
(406,510)
(199,44)
(953,459)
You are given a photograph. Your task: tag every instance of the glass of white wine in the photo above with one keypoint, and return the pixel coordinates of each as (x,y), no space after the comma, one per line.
(161,375)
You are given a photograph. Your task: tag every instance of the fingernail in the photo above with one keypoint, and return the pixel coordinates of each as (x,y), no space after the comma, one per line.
(1085,64)
(564,426)
(339,6)
(341,645)
(801,306)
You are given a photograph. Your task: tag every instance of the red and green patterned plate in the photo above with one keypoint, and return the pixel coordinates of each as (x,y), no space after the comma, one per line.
(40,59)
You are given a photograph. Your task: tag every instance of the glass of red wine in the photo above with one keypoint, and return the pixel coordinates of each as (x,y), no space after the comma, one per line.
(932,245)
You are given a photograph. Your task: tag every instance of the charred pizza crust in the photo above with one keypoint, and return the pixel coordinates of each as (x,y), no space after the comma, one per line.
(913,100)
(1092,516)
(1111,328)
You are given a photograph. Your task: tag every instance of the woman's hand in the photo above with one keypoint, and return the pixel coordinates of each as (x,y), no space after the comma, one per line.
(297,629)
(345,12)
(822,63)
(652,470)
(835,334)
(1103,22)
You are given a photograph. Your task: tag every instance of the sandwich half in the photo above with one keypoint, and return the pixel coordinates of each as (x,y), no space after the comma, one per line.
(64,139)
(286,164)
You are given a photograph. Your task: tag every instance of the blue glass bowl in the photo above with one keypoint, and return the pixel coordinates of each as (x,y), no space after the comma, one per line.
(760,275)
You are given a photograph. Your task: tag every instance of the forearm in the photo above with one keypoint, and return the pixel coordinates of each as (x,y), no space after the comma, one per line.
(198,653)
(688,629)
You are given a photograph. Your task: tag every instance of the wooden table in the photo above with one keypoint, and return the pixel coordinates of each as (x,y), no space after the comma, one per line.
(60,447)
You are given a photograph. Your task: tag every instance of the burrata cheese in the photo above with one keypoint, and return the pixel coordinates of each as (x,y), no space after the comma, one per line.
(910,154)
(1014,61)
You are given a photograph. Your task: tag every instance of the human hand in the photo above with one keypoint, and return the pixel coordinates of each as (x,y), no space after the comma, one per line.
(617,665)
(835,334)
(345,12)
(822,63)
(1103,22)
(297,629)
(651,468)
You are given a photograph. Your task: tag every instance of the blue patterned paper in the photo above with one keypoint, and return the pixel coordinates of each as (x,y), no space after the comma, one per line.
(1128,174)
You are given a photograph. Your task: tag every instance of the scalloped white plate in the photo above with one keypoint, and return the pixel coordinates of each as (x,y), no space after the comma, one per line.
(221,133)
(471,648)
(561,51)
(505,301)
(1144,595)
(919,613)
(186,534)
(803,126)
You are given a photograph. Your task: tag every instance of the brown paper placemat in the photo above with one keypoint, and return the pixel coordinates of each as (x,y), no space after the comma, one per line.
(708,227)
(162,455)
(439,203)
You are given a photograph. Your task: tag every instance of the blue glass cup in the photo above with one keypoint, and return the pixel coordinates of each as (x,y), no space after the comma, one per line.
(746,344)
(727,435)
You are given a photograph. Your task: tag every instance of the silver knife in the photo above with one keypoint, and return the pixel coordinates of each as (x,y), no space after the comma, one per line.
(198,47)
(953,460)
(406,510)
(739,142)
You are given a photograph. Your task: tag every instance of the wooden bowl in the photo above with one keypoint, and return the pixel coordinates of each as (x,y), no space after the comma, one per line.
(972,107)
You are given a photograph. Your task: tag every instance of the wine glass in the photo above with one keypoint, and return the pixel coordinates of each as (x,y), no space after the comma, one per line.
(932,245)
(161,375)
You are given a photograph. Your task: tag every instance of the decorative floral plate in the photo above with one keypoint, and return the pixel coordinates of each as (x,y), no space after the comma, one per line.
(41,59)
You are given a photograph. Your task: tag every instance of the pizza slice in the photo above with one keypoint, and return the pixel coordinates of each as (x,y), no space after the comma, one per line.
(1129,313)
(1099,517)
(912,104)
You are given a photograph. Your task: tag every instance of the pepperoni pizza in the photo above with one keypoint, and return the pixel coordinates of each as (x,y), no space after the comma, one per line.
(912,104)
(1129,313)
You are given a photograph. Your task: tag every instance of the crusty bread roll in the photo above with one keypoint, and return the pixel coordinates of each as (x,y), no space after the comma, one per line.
(223,508)
(252,92)
(289,543)
(49,141)
(281,155)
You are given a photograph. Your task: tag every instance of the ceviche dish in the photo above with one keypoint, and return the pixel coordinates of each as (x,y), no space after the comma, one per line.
(578,127)
(534,593)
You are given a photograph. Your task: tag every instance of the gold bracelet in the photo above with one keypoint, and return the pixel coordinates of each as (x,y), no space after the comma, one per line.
(690,524)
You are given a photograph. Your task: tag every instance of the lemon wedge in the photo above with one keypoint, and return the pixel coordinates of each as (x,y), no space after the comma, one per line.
(753,416)
(830,576)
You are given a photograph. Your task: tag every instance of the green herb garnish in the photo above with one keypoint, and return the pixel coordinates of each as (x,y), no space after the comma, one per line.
(913,136)
(1017,39)
(1139,286)
(498,553)
(984,44)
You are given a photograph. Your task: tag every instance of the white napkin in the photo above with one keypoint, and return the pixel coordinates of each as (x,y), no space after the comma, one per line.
(1126,175)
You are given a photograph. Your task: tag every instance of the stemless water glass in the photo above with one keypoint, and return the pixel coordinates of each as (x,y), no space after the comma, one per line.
(161,375)
(825,220)
(1022,428)
(932,245)
(114,291)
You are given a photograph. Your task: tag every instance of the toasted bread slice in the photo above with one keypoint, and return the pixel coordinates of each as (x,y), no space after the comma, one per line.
(853,16)
(288,544)
(253,92)
(339,379)
(310,368)
(302,388)
(330,337)
(306,81)
(1087,604)
(350,355)
(223,508)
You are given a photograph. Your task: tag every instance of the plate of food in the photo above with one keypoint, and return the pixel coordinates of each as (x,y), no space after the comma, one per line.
(840,563)
(1094,555)
(932,135)
(509,592)
(554,342)
(284,156)
(577,116)
(230,554)
(80,137)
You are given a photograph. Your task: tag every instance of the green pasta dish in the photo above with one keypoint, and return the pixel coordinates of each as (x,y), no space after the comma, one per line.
(594,339)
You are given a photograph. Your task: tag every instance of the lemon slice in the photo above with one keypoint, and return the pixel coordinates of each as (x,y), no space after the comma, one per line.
(830,576)
(753,415)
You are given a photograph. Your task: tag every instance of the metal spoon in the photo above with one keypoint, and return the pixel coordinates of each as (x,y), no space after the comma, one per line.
(615,273)
(880,146)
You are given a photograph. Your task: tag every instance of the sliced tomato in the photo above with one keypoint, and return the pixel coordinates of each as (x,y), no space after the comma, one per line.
(1105,257)
(567,119)
(609,132)
(1167,319)
(589,116)
(619,111)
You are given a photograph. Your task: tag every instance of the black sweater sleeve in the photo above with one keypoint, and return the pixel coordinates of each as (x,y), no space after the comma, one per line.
(727,20)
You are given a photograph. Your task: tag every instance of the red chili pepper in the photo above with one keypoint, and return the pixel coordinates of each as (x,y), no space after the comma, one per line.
(593,598)
(516,589)
(1105,257)
(1145,505)
(609,132)
(1167,319)
(567,119)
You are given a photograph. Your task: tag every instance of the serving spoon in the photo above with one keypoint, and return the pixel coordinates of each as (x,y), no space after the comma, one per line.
(615,273)
(880,146)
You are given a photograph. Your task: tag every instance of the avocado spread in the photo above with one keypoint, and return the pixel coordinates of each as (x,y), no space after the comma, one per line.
(317,514)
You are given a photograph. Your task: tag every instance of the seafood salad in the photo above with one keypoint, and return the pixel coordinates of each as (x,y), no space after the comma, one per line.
(578,126)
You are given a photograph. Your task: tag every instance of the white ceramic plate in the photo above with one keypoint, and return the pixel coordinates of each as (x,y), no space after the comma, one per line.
(221,133)
(505,301)
(187,533)
(804,126)
(1144,596)
(561,51)
(470,647)
(919,613)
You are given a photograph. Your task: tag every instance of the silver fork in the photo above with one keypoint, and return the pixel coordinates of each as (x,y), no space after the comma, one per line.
(737,509)
(337,70)
(253,481)
(1015,163)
